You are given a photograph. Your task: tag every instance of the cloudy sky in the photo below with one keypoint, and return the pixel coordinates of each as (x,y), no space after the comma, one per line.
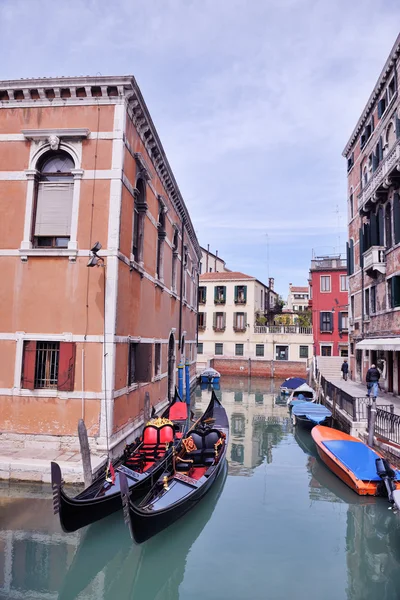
(253,100)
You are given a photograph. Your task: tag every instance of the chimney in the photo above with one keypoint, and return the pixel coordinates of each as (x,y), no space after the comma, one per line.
(208,250)
(271,282)
(215,262)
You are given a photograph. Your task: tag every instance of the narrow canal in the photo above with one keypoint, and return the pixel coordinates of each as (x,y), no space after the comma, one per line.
(279,525)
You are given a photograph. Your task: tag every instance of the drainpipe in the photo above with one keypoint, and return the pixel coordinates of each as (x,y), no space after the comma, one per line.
(181,290)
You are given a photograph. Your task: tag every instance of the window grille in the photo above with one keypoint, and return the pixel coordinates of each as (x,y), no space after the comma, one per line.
(47,360)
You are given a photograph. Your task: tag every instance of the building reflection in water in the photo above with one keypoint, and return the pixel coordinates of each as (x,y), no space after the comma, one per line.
(372,533)
(257,422)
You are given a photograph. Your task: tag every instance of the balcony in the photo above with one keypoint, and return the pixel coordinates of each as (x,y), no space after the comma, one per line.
(375,259)
(379,181)
(239,329)
(218,329)
(285,329)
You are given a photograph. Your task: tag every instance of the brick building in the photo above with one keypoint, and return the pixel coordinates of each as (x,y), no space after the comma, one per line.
(373,165)
(81,162)
(329,305)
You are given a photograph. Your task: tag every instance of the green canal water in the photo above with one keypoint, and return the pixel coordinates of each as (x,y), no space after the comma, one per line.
(278,525)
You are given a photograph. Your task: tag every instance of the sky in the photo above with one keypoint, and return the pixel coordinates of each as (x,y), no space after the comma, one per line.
(253,100)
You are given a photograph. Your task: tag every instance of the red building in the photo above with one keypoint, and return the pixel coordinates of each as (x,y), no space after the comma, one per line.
(329,305)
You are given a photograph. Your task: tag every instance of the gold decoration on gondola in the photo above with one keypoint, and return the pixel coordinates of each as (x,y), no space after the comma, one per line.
(216,446)
(159,422)
(189,444)
(165,483)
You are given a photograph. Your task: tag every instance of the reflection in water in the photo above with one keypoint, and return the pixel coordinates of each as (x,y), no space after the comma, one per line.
(301,532)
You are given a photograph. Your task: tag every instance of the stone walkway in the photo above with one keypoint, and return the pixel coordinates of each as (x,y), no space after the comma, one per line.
(19,464)
(359,390)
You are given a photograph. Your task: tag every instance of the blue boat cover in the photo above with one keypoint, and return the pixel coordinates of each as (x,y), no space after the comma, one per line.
(317,413)
(291,383)
(357,457)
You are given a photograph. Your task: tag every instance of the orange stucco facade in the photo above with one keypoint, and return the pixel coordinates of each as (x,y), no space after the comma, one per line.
(115,331)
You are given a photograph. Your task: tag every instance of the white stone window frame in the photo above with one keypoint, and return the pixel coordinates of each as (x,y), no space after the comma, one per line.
(43,141)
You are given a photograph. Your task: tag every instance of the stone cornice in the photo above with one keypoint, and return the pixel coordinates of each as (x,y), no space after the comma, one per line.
(387,69)
(60,91)
(44,134)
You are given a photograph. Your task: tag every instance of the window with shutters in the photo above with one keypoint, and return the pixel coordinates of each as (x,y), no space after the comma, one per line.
(161,235)
(201,317)
(240,294)
(220,294)
(239,349)
(388,225)
(343,283)
(326,322)
(303,352)
(343,321)
(202,294)
(326,350)
(238,397)
(366,303)
(47,365)
(219,321)
(54,195)
(200,348)
(157,359)
(396,218)
(175,253)
(259,349)
(394,291)
(351,205)
(139,214)
(219,349)
(373,299)
(239,321)
(140,363)
(325,283)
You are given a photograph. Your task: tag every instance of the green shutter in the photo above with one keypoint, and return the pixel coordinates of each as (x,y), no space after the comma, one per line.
(224,294)
(214,319)
(245,293)
(361,247)
(215,293)
(395,281)
(396,218)
(245,319)
(340,322)
(381,226)
(236,293)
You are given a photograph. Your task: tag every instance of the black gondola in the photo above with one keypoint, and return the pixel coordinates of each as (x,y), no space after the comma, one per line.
(142,464)
(189,477)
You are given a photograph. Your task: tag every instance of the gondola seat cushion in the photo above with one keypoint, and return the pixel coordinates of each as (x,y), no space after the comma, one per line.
(204,443)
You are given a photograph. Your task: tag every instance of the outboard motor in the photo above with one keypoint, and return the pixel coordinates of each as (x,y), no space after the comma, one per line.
(387,475)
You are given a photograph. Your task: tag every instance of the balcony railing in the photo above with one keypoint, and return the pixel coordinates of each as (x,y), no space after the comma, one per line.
(377,179)
(239,329)
(219,329)
(375,259)
(283,329)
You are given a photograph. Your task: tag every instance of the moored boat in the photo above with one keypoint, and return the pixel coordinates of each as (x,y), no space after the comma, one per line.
(290,384)
(362,468)
(210,376)
(142,463)
(309,414)
(189,477)
(303,393)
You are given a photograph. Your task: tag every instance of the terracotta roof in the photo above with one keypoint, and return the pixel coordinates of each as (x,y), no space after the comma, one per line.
(232,275)
(299,289)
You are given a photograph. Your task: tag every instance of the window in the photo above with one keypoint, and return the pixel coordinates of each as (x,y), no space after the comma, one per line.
(350,257)
(201,318)
(388,225)
(202,294)
(160,242)
(259,349)
(200,348)
(303,352)
(394,291)
(343,283)
(325,283)
(391,88)
(140,362)
(238,396)
(326,322)
(157,359)
(139,213)
(219,294)
(343,321)
(373,299)
(219,321)
(366,302)
(350,162)
(282,353)
(351,204)
(352,306)
(175,253)
(54,200)
(239,349)
(259,398)
(47,365)
(219,349)
(241,294)
(326,350)
(239,321)
(382,105)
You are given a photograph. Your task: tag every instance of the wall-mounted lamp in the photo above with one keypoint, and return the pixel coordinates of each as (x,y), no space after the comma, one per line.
(95,260)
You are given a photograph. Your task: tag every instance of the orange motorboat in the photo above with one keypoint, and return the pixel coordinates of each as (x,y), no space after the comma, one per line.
(363,469)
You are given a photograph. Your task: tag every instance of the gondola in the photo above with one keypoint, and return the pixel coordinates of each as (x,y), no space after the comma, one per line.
(189,477)
(360,467)
(142,463)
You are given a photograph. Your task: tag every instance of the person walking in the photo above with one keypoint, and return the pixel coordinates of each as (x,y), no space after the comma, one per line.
(345,369)
(372,379)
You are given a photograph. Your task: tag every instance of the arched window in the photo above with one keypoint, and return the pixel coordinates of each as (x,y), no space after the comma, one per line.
(390,137)
(52,222)
(139,213)
(160,242)
(388,225)
(175,253)
(365,175)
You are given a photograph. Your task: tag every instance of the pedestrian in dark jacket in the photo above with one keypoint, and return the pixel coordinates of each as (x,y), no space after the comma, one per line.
(345,369)
(372,378)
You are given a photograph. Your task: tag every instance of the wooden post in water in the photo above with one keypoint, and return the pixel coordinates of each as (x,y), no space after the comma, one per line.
(85,453)
(371,423)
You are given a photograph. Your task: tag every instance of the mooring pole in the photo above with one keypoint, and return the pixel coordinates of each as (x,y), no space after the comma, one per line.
(180,379)
(187,376)
(85,453)
(371,424)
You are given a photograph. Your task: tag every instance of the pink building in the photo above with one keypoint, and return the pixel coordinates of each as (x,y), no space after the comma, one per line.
(81,162)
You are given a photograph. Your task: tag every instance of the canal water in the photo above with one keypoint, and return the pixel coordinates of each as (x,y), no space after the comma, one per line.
(276,526)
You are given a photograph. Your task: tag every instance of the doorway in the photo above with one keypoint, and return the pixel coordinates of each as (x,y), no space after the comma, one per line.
(171,367)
